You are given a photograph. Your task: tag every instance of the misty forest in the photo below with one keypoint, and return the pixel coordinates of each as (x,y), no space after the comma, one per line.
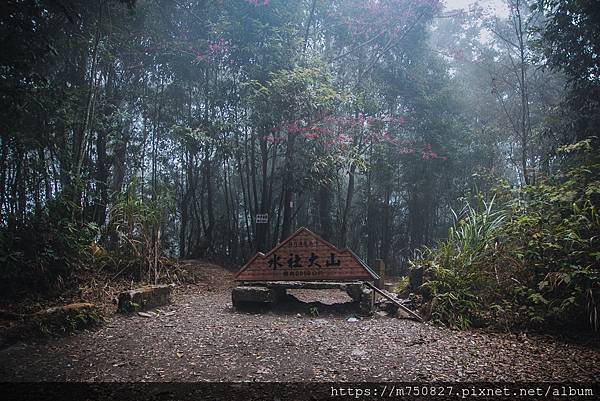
(166,142)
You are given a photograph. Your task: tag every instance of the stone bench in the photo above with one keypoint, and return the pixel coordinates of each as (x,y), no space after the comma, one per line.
(269,292)
(147,297)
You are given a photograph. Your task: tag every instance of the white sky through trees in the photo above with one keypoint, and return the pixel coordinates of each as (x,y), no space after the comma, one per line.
(497,7)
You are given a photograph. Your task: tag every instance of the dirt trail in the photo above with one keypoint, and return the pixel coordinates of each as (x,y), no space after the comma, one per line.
(201,338)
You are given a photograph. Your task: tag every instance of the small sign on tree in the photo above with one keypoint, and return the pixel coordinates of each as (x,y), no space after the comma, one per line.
(262,218)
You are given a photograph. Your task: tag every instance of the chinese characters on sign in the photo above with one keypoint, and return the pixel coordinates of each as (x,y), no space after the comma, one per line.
(304,256)
(262,218)
(274,262)
(296,261)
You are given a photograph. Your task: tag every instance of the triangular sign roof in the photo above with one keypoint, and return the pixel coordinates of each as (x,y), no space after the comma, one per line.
(305,256)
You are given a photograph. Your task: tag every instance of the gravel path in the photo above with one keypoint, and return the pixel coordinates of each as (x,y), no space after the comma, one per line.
(201,338)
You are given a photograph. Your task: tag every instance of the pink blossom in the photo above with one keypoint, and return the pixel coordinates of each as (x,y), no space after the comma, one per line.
(344,138)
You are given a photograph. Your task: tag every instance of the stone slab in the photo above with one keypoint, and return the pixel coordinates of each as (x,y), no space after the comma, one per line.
(146,297)
(306,285)
(247,294)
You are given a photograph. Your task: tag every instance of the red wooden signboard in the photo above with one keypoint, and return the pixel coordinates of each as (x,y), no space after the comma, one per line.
(305,257)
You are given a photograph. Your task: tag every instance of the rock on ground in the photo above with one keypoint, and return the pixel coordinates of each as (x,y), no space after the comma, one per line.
(145,297)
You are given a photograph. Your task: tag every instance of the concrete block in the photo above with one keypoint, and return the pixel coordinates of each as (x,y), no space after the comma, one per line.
(248,294)
(146,297)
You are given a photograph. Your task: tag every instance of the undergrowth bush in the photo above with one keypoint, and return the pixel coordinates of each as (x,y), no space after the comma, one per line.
(40,252)
(454,273)
(134,232)
(535,261)
(43,250)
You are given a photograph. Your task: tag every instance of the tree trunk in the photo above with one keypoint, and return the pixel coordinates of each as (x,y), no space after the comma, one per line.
(119,160)
(262,229)
(324,202)
(347,206)
(81,141)
(385,232)
(208,233)
(288,192)
(3,171)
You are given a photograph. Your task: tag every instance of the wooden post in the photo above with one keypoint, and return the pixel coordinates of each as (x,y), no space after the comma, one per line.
(380,268)
(392,298)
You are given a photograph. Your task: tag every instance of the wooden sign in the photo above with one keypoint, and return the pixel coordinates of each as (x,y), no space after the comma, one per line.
(305,257)
(262,218)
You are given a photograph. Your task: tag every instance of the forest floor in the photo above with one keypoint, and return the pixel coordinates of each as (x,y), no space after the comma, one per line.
(200,337)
